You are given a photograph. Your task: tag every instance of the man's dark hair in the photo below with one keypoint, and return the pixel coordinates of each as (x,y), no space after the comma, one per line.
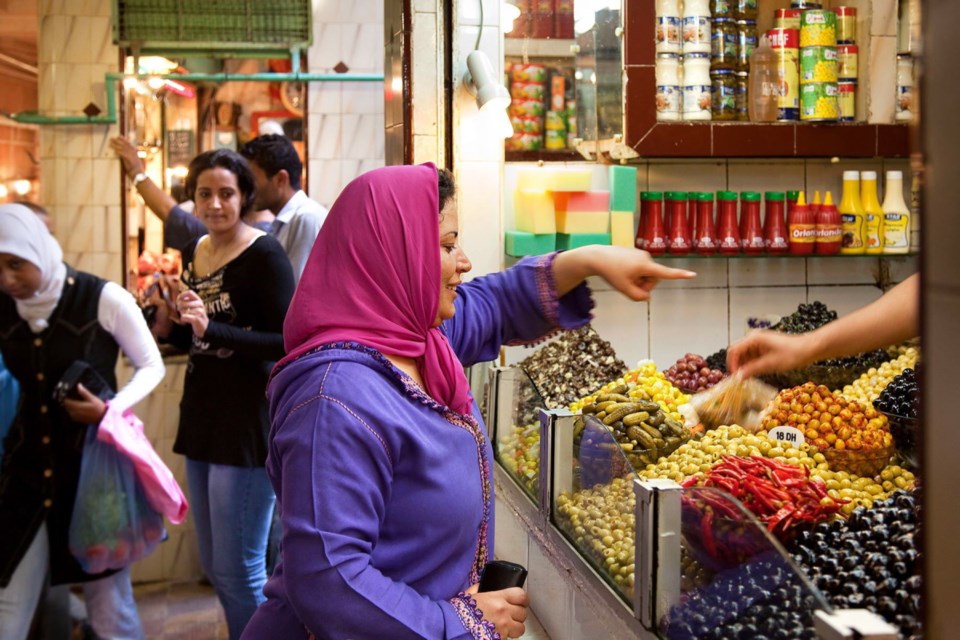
(272,152)
(232,162)
(446,186)
(33,206)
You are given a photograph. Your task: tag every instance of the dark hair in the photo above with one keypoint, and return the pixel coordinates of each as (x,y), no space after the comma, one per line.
(445,185)
(232,162)
(272,152)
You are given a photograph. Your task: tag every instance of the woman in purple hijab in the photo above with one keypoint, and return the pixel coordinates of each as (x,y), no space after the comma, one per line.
(377,452)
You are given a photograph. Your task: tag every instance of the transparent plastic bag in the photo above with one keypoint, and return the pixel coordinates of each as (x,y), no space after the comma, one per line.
(112,525)
(734,400)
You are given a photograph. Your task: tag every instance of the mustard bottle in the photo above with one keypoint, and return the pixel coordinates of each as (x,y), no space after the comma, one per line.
(851,215)
(873,229)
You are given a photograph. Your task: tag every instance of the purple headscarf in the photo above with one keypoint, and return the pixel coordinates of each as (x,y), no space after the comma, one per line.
(373,277)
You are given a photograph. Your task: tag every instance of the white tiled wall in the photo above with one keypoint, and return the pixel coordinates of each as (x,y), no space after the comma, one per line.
(345,120)
(707,313)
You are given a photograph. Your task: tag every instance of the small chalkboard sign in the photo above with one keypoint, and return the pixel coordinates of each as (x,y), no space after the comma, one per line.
(179,147)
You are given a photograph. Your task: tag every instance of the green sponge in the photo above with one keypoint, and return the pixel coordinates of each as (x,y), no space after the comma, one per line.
(522,243)
(623,188)
(574,240)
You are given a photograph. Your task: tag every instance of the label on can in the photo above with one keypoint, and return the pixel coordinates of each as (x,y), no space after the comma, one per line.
(847,67)
(846,24)
(724,46)
(818,28)
(555,140)
(696,34)
(788,91)
(847,92)
(668,33)
(528,73)
(787,19)
(818,101)
(668,100)
(818,64)
(904,102)
(697,100)
(784,38)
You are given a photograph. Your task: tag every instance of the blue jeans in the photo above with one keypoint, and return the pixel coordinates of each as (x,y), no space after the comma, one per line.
(232,508)
(110,605)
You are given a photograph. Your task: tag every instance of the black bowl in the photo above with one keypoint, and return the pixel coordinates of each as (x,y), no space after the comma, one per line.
(904,431)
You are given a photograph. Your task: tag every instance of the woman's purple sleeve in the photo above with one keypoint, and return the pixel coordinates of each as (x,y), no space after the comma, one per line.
(515,306)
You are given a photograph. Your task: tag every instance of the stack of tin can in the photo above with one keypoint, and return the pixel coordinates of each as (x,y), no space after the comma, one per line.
(819,72)
(847,63)
(785,41)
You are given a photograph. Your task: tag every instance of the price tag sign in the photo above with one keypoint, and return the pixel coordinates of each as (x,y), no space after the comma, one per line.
(786,436)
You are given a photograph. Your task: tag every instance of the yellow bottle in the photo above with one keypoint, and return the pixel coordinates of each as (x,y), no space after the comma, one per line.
(896,216)
(851,215)
(873,229)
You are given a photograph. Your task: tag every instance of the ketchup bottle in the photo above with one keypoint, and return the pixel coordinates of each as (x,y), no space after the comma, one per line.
(678,240)
(727,233)
(802,227)
(644,214)
(829,228)
(751,231)
(815,205)
(774,226)
(705,241)
(654,238)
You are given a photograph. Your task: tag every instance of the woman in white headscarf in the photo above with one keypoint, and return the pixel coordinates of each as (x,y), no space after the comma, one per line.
(51,316)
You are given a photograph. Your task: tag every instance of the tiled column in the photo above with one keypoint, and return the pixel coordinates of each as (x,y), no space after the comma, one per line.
(345,120)
(478,156)
(81,185)
(427,80)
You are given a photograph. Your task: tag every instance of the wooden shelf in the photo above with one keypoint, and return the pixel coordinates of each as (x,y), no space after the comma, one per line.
(531,48)
(837,256)
(653,139)
(560,155)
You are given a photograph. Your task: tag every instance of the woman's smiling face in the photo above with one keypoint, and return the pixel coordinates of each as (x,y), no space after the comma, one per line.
(453,261)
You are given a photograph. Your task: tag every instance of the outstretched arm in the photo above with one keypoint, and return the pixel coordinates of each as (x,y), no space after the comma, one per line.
(630,271)
(158,200)
(891,319)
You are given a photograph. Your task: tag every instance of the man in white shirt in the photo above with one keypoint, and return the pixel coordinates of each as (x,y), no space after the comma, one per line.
(277,168)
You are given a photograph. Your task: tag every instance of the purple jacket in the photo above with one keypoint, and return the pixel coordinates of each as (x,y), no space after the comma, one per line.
(386,497)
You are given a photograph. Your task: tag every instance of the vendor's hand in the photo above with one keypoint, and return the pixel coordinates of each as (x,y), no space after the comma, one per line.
(89,409)
(193,312)
(767,351)
(127,152)
(633,272)
(506,609)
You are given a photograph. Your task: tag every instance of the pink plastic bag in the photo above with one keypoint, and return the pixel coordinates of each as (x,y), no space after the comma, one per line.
(125,432)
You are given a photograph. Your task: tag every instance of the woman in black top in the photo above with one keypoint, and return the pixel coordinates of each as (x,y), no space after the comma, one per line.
(231,318)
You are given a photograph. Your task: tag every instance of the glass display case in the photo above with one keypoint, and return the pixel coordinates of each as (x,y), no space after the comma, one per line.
(687,562)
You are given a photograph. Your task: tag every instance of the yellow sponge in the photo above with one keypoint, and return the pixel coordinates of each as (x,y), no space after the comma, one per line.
(534,211)
(554,179)
(583,222)
(622,233)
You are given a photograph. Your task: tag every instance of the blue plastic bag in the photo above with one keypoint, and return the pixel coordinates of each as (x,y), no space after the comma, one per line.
(9,402)
(112,525)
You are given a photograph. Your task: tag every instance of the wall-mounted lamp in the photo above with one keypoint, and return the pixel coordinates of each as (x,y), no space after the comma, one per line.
(492,97)
(509,11)
(21,187)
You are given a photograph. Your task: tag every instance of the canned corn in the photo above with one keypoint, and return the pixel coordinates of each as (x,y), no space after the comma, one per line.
(818,64)
(818,28)
(818,101)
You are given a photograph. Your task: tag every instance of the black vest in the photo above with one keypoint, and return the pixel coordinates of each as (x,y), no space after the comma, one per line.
(43,449)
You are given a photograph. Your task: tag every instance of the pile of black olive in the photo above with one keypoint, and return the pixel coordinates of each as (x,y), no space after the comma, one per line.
(718,360)
(806,318)
(901,397)
(869,561)
(761,600)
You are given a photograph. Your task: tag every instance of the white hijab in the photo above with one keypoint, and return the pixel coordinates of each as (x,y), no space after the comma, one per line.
(24,235)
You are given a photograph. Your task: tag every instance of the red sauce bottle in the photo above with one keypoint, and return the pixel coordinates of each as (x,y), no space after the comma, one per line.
(751,231)
(644,214)
(678,240)
(727,233)
(705,241)
(654,238)
(802,227)
(774,225)
(829,228)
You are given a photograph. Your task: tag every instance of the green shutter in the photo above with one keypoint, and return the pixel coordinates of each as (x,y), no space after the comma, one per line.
(226,27)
